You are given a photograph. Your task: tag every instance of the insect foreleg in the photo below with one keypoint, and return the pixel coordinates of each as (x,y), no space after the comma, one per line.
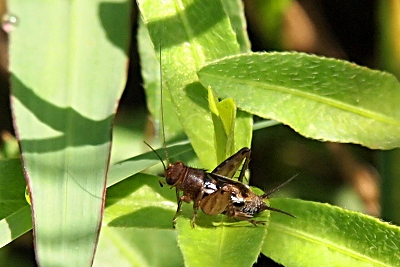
(178,209)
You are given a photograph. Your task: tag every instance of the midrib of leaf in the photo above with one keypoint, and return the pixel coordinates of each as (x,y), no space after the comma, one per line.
(317,98)
(312,239)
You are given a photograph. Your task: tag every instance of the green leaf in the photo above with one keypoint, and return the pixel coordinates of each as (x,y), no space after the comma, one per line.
(195,41)
(68,64)
(137,227)
(324,235)
(321,98)
(223,116)
(140,201)
(15,225)
(219,241)
(121,170)
(235,11)
(192,43)
(151,74)
(15,218)
(137,247)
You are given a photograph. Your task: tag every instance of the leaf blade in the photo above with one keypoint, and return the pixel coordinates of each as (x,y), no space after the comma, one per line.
(318,97)
(183,53)
(65,132)
(338,237)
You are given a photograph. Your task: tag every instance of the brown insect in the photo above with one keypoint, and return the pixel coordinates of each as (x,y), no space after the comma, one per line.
(199,186)
(214,192)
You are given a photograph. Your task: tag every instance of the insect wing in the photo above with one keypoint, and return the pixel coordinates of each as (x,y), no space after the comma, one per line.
(222,180)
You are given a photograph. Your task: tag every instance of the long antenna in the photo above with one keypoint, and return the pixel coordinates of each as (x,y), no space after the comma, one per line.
(152,149)
(162,108)
(278,187)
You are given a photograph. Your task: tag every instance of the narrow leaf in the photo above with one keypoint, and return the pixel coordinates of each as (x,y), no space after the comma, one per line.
(223,116)
(321,98)
(235,11)
(121,170)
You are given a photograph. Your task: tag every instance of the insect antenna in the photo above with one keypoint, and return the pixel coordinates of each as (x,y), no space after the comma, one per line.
(278,187)
(162,122)
(160,182)
(162,109)
(278,210)
(156,154)
(273,191)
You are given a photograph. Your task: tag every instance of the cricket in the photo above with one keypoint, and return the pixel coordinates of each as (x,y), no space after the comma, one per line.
(215,192)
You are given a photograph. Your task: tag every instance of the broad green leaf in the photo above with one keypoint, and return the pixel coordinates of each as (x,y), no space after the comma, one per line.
(244,121)
(137,226)
(324,235)
(321,98)
(68,64)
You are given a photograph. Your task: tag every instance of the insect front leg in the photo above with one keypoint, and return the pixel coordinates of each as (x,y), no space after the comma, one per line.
(178,209)
(196,205)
